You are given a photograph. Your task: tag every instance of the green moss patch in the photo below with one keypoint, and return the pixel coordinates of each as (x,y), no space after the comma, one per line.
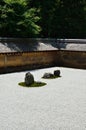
(35,84)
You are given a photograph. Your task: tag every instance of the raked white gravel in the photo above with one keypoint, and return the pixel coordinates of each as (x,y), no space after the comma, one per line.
(60,105)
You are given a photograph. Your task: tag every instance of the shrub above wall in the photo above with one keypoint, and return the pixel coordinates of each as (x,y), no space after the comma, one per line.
(18,19)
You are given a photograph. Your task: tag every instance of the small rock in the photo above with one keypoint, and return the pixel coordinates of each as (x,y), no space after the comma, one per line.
(57,73)
(29,78)
(48,75)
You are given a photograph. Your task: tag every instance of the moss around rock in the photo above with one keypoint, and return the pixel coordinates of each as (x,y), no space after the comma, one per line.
(35,84)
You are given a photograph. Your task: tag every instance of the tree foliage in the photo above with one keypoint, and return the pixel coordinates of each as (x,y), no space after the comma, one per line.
(17,19)
(62,18)
(50,18)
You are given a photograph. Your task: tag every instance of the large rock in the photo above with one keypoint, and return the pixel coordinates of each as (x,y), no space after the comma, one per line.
(57,73)
(29,78)
(48,75)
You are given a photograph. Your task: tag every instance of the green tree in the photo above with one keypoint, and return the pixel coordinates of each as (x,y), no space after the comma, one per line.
(70,17)
(46,15)
(57,18)
(18,20)
(62,18)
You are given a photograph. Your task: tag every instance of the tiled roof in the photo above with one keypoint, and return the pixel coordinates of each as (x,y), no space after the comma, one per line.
(28,44)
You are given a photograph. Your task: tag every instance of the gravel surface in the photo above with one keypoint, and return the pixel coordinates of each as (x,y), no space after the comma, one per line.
(60,105)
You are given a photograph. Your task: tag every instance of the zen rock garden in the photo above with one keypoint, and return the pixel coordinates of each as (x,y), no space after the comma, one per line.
(30,82)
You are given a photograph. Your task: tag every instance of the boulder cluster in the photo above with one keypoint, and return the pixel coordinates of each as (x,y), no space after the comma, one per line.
(50,75)
(29,78)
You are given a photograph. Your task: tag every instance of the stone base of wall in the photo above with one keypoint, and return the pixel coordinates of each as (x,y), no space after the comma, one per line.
(11,69)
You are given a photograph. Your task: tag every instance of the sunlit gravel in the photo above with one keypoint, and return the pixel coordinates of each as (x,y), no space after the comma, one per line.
(60,105)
